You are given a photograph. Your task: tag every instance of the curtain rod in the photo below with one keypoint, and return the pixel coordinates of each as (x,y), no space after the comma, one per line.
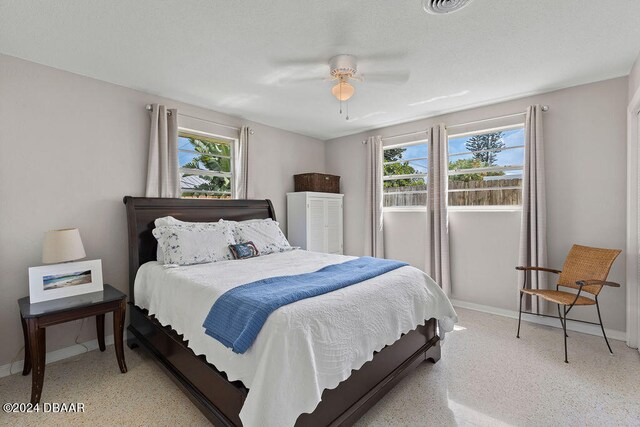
(404,134)
(149,107)
(543,108)
(399,136)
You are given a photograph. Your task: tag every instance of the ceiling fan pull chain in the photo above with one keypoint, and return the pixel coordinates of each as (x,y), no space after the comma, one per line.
(347,109)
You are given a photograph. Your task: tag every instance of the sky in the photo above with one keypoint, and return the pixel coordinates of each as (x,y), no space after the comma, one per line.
(186,157)
(511,138)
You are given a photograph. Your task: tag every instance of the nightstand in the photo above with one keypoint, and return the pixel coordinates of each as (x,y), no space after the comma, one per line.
(36,317)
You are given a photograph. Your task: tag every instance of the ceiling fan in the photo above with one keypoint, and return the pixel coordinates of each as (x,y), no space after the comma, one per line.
(438,7)
(343,70)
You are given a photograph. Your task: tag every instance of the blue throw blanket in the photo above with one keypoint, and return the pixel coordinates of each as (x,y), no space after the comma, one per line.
(238,315)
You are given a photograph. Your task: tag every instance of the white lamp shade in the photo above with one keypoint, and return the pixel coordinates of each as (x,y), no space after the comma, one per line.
(343,91)
(62,246)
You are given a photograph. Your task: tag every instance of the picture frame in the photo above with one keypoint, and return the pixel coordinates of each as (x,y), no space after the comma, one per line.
(68,279)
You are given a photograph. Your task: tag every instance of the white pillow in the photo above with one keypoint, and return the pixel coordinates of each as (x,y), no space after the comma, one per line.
(246,221)
(264,233)
(166,220)
(159,254)
(194,243)
(169,220)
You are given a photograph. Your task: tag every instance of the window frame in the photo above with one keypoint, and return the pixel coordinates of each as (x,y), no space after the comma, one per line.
(421,141)
(476,208)
(486,208)
(182,131)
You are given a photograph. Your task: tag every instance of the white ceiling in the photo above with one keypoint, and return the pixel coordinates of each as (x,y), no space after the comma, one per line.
(231,56)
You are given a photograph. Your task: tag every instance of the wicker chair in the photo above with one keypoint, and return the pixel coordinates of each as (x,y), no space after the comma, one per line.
(585,269)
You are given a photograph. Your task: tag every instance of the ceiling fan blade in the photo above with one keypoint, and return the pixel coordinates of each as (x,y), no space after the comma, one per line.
(300,61)
(295,80)
(382,56)
(389,78)
(324,61)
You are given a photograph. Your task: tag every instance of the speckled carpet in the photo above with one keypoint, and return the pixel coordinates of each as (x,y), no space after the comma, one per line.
(485,377)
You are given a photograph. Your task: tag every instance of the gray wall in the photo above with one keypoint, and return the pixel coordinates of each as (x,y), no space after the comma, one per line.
(634,78)
(70,148)
(585,133)
(475,239)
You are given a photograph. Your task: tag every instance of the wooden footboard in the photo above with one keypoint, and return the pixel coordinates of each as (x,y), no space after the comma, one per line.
(217,398)
(220,400)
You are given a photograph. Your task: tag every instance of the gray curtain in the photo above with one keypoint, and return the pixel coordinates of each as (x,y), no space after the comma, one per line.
(163,178)
(533,230)
(241,164)
(373,236)
(437,262)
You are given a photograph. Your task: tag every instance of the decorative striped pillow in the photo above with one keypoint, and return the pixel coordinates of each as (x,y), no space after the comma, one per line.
(244,250)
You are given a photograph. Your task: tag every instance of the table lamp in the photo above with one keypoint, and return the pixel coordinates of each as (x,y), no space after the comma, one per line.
(62,246)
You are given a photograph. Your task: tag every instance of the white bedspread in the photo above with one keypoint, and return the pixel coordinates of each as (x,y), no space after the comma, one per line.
(304,347)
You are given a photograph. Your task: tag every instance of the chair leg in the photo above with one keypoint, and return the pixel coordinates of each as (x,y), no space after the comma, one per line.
(564,328)
(519,315)
(602,326)
(560,317)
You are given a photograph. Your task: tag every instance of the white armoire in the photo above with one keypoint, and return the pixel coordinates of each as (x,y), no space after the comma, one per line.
(314,221)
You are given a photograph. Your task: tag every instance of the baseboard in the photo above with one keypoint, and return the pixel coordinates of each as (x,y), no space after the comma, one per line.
(76,349)
(56,355)
(584,328)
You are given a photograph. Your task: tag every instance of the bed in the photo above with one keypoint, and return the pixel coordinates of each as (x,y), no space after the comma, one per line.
(219,396)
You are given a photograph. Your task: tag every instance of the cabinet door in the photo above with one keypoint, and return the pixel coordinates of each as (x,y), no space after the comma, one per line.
(315,225)
(334,226)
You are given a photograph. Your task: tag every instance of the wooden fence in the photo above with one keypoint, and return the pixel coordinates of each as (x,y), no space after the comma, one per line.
(462,195)
(415,195)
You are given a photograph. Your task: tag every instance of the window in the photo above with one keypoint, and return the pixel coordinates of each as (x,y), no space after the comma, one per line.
(485,168)
(405,173)
(206,165)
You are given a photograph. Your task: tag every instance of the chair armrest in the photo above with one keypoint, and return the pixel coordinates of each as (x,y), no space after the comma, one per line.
(548,270)
(597,282)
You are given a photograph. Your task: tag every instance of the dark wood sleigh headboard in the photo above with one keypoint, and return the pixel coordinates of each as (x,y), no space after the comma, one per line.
(143,211)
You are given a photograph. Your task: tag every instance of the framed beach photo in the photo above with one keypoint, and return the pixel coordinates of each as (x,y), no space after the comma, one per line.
(55,281)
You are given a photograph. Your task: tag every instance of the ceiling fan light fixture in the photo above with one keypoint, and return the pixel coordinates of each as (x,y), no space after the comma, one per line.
(343,91)
(439,7)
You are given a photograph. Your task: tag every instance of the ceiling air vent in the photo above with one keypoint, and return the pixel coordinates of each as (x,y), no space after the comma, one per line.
(439,7)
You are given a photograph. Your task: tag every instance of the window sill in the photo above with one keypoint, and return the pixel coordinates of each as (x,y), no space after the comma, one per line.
(458,209)
(405,209)
(485,209)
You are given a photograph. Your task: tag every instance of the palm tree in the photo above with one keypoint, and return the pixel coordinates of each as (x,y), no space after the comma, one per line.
(209,160)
